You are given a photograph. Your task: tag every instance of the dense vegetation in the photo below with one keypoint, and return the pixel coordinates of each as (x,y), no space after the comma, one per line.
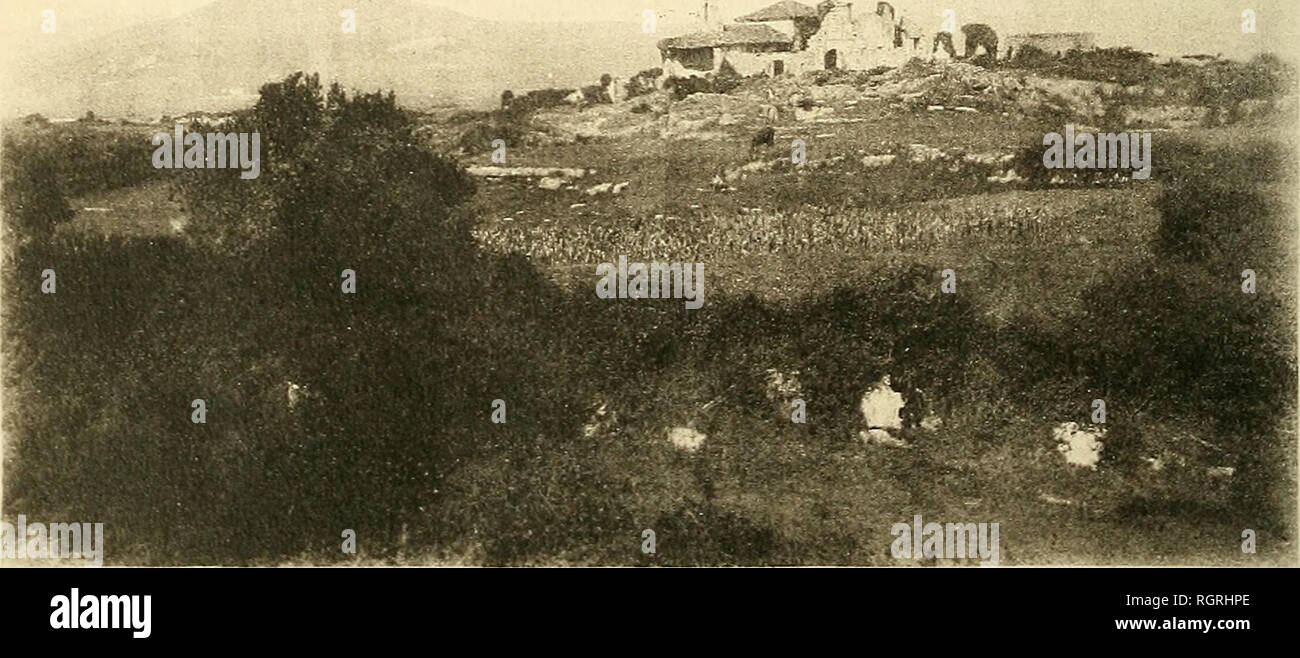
(389,433)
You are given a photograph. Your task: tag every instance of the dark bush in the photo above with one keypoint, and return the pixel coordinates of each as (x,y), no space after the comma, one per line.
(1030,56)
(1220,220)
(1224,85)
(34,197)
(680,88)
(83,158)
(1215,206)
(478,137)
(1175,338)
(540,99)
(642,83)
(725,81)
(394,378)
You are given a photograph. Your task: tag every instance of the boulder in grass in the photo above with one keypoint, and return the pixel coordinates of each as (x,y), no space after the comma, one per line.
(881,437)
(924,153)
(873,161)
(1081,446)
(686,439)
(882,408)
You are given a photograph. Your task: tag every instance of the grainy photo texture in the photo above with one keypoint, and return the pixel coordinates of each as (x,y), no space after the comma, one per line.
(649,282)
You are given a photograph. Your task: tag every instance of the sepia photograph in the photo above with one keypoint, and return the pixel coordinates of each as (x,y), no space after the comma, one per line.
(646,283)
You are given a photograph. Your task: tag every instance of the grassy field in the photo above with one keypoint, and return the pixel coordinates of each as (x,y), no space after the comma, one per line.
(831,272)
(1025,258)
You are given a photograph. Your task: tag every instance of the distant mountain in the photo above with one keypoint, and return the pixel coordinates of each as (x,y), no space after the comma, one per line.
(215,57)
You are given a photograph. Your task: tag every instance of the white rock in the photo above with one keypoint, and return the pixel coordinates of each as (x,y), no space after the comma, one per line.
(982,158)
(551,183)
(872,161)
(883,438)
(881,406)
(1081,447)
(526,172)
(1010,176)
(801,114)
(294,394)
(685,438)
(618,189)
(1049,498)
(924,153)
(599,189)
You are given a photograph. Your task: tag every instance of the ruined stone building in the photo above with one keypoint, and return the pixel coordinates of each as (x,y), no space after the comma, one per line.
(749,49)
(791,37)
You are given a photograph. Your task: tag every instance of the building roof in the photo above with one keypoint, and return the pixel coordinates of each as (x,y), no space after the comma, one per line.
(729,35)
(785,10)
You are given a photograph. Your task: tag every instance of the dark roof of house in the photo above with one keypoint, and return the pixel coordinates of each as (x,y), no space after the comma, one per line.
(784,10)
(729,35)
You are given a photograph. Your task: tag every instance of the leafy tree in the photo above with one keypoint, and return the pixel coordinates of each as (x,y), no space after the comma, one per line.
(34,201)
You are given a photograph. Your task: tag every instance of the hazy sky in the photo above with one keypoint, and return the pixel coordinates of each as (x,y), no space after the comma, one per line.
(1165,26)
(1159,25)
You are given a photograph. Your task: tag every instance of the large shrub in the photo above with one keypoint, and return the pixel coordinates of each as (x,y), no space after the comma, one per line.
(325,411)
(34,197)
(642,83)
(1176,340)
(1224,85)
